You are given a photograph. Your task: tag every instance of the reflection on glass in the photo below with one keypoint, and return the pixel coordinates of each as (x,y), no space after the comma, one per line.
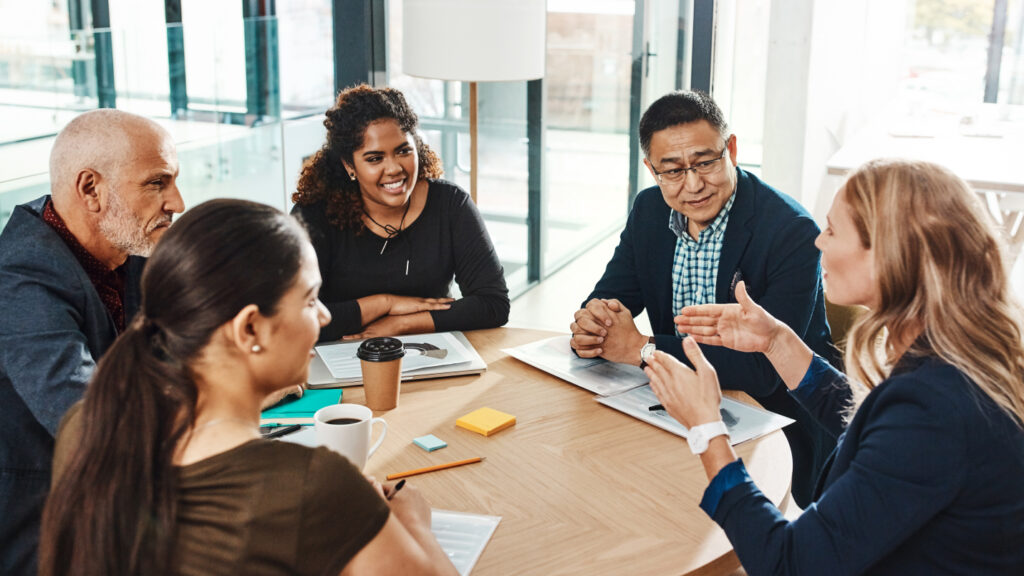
(587,140)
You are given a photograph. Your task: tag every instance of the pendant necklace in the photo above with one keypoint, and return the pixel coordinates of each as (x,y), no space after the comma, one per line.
(388,229)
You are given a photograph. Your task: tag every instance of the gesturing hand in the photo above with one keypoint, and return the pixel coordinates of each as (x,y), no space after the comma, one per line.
(690,396)
(744,326)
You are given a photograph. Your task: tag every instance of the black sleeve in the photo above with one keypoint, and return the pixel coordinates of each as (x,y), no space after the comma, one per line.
(484,302)
(346,316)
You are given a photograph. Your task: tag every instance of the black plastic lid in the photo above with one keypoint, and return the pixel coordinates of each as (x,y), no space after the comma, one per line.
(381,349)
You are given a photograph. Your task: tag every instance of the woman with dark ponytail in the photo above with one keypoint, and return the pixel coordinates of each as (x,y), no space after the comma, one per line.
(161,470)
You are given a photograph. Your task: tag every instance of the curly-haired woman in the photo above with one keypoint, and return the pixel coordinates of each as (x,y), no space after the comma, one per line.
(389,234)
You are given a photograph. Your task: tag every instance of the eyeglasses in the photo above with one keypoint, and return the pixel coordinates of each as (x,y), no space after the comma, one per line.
(678,175)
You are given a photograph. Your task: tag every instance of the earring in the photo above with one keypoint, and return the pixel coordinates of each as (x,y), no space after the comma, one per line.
(352,175)
(256,349)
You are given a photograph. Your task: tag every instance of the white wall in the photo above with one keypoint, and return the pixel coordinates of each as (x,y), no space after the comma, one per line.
(832,68)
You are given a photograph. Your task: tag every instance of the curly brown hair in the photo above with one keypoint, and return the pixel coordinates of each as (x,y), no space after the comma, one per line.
(323,175)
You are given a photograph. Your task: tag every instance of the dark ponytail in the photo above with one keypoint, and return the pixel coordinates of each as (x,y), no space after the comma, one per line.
(113,509)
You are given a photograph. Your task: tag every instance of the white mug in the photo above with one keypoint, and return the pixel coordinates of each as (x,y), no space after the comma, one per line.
(350,440)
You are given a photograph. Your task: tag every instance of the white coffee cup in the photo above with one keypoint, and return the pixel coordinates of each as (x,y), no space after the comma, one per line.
(351,440)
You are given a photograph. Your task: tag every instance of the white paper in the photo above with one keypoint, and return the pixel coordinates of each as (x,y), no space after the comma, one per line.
(462,536)
(743,421)
(342,362)
(597,375)
(304,437)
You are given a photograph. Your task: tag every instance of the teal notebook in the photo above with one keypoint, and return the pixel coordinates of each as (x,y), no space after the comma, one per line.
(305,407)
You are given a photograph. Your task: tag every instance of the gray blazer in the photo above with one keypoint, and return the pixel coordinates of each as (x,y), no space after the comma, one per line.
(53,328)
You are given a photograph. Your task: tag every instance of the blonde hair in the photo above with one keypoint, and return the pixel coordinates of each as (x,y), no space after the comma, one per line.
(941,271)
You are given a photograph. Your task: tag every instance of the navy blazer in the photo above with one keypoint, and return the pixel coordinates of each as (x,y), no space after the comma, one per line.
(927,479)
(769,244)
(53,328)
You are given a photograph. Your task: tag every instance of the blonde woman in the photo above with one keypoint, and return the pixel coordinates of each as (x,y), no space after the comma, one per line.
(928,476)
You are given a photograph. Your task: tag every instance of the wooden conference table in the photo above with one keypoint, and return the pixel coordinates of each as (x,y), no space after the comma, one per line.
(581,488)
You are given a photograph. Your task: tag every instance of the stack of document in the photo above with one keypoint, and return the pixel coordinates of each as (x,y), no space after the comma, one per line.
(626,389)
(437,355)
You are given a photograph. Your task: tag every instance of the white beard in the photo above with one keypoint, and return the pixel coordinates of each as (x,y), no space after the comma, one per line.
(124,229)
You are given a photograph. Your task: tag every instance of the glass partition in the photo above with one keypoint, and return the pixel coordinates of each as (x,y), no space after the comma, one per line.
(227,146)
(586,155)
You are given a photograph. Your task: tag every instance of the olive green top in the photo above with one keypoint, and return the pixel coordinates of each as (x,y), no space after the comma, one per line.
(265,507)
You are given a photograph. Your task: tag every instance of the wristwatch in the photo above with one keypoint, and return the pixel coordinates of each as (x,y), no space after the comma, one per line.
(646,352)
(699,436)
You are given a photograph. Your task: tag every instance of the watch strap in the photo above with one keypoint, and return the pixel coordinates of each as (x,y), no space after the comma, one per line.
(706,432)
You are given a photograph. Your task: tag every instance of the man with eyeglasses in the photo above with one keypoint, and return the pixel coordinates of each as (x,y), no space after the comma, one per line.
(705,227)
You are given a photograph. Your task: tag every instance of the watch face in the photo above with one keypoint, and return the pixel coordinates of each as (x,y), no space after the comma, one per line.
(647,351)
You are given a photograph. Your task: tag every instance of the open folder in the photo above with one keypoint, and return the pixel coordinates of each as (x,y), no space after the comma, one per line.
(626,389)
(438,355)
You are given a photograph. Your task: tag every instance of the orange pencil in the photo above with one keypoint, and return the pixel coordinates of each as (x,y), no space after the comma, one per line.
(433,468)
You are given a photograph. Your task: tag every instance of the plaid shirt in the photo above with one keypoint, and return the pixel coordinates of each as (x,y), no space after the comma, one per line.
(695,265)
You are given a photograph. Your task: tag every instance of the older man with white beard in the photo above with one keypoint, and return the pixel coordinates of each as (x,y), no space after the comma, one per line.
(70,265)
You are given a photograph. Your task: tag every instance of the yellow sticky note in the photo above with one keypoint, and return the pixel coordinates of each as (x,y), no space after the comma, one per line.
(486,421)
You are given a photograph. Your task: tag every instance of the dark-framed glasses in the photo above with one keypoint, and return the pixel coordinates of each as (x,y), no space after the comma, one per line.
(678,175)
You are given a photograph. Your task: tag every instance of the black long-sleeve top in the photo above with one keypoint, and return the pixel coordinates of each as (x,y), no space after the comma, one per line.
(447,240)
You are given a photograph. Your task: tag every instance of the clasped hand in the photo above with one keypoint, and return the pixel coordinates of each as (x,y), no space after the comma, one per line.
(605,328)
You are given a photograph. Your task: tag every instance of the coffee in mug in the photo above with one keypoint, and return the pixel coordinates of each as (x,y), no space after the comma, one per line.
(381,362)
(347,429)
(338,421)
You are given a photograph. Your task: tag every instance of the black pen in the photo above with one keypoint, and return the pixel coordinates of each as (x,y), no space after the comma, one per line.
(656,407)
(282,431)
(396,488)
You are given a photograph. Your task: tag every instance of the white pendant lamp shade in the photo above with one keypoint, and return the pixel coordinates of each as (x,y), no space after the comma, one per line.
(474,40)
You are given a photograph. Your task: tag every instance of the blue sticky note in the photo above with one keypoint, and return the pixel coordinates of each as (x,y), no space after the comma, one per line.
(429,442)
